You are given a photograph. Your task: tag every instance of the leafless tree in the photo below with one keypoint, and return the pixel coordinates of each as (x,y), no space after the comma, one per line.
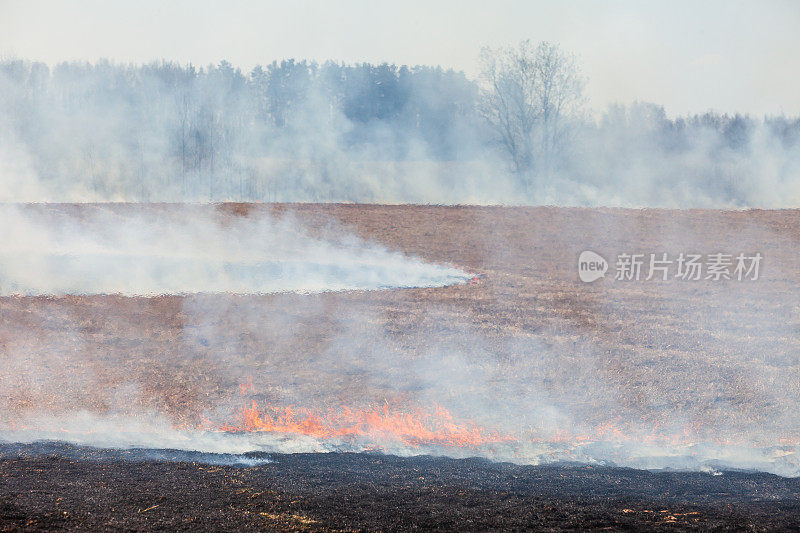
(530,95)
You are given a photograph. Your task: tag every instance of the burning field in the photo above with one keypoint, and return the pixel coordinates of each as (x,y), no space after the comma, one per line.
(448,358)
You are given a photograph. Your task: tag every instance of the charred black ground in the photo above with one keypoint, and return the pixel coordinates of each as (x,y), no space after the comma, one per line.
(58,486)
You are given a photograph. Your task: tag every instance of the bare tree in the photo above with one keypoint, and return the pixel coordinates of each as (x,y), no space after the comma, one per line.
(530,95)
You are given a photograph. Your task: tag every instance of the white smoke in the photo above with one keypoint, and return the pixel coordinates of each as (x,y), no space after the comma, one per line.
(109,252)
(168,133)
(466,365)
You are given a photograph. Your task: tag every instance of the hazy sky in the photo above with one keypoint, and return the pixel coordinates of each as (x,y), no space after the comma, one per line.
(689,56)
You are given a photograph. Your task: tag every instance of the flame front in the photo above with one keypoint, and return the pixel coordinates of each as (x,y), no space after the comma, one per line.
(376,424)
(400,422)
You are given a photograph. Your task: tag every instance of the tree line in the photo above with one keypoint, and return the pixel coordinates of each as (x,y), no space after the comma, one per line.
(299,130)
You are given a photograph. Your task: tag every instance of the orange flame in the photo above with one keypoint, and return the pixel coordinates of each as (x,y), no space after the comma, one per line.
(394,423)
(414,428)
(398,422)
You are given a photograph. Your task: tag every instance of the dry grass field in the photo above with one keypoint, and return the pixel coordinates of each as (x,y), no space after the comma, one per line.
(530,353)
(530,350)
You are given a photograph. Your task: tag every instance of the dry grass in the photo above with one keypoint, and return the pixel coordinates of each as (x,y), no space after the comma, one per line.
(710,354)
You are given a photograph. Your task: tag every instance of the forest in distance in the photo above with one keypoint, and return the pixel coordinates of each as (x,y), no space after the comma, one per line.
(300,131)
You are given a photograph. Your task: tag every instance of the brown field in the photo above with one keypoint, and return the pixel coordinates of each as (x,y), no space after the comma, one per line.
(530,351)
(718,357)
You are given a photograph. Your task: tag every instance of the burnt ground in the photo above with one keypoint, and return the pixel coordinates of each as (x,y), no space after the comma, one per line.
(701,359)
(55,487)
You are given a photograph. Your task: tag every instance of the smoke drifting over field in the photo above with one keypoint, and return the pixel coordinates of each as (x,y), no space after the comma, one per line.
(285,365)
(185,251)
(463,395)
(530,366)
